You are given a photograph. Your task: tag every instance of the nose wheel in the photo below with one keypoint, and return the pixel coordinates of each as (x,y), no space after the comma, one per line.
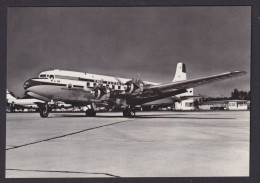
(44,111)
(129,112)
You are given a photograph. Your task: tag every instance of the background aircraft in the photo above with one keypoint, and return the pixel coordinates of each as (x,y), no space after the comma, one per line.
(14,103)
(30,103)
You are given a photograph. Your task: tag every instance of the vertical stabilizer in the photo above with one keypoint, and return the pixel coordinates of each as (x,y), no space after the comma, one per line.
(9,96)
(180,73)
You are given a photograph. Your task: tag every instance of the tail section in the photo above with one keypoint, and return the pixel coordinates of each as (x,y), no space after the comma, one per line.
(180,73)
(9,96)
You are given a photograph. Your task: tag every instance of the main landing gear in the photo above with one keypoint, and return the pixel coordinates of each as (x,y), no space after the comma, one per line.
(44,110)
(129,112)
(91,112)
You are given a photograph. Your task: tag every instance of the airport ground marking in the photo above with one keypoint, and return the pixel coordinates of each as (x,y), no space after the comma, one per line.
(60,171)
(65,135)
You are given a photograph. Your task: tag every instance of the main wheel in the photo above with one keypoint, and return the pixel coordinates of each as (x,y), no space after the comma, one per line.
(125,113)
(129,112)
(94,113)
(90,113)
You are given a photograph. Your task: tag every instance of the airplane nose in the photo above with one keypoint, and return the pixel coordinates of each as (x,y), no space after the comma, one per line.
(26,84)
(29,83)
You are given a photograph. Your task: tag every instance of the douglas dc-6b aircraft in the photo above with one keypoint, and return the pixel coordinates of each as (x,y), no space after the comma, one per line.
(84,89)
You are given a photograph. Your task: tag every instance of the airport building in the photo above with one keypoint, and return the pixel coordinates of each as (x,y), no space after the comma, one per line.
(187,104)
(226,105)
(238,105)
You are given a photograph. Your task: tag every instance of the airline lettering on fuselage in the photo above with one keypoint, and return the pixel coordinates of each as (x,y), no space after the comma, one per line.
(89,82)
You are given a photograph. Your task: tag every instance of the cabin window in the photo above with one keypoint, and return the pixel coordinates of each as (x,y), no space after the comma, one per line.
(113,87)
(94,84)
(51,76)
(119,87)
(87,83)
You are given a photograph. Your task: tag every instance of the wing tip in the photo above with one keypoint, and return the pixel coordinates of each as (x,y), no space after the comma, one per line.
(239,73)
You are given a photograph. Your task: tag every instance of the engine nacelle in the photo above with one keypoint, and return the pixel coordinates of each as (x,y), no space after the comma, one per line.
(130,88)
(100,94)
(134,86)
(96,93)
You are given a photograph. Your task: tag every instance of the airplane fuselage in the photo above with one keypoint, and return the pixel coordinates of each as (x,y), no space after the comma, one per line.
(75,87)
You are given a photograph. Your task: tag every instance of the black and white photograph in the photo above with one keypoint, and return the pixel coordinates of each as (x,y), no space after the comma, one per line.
(114,92)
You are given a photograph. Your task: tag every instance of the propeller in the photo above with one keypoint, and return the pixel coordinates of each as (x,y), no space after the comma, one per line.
(134,85)
(119,81)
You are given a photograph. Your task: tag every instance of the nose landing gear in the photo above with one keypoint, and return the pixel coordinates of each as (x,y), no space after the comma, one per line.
(44,110)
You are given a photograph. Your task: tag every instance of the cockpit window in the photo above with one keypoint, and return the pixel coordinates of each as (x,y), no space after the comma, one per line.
(43,76)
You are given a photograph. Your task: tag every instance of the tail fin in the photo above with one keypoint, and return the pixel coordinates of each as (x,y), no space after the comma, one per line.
(180,73)
(9,96)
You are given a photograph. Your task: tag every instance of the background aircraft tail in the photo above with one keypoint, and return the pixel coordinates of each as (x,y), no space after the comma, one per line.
(9,96)
(180,73)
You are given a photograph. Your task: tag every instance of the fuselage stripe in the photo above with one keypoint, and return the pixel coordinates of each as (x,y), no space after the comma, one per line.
(78,86)
(83,79)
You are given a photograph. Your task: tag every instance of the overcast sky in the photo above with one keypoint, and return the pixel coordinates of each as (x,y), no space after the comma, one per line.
(127,41)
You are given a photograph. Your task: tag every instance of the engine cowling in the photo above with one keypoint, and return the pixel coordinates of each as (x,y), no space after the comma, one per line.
(134,86)
(97,94)
(130,88)
(100,94)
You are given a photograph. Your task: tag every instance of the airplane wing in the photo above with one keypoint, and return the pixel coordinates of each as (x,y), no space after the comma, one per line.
(197,82)
(156,92)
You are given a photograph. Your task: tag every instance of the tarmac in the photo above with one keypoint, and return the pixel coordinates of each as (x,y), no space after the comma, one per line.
(154,144)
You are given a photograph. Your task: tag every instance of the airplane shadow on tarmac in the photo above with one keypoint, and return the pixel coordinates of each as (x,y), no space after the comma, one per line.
(178,117)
